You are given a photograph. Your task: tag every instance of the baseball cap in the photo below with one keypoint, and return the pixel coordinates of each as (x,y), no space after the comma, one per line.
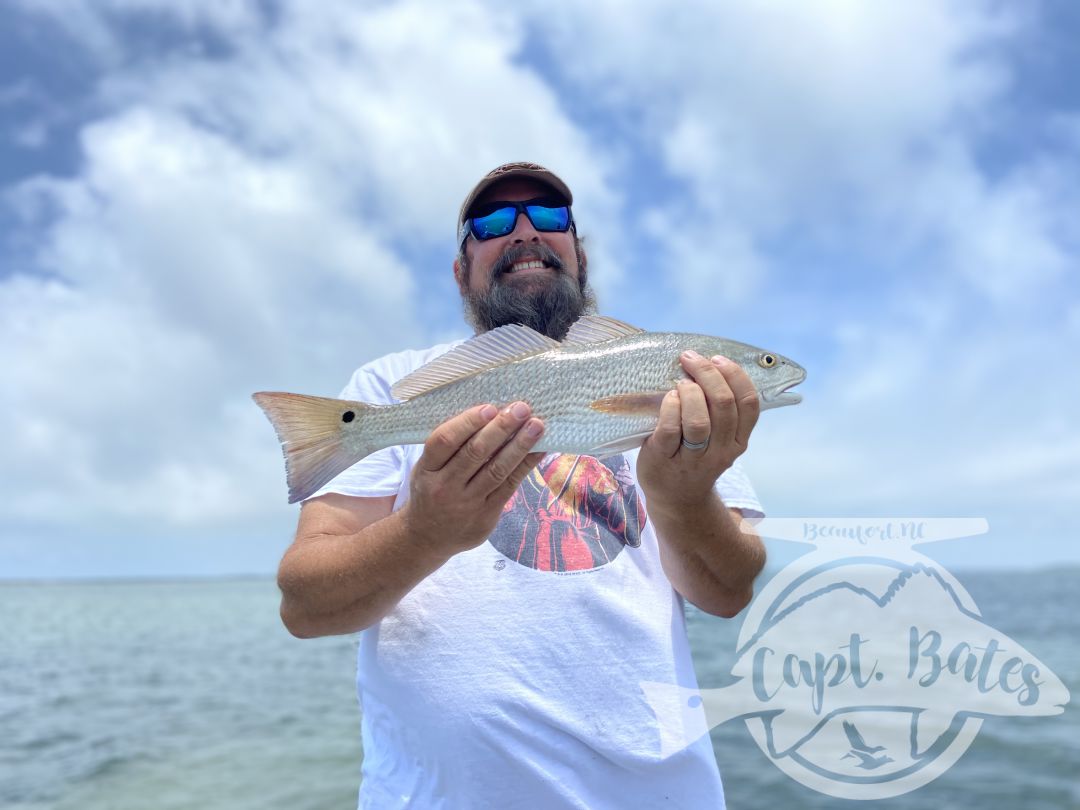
(531,170)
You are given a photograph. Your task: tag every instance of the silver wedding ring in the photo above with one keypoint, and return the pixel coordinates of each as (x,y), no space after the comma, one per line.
(695,445)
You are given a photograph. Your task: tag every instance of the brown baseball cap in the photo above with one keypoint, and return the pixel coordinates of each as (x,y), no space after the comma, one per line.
(531,170)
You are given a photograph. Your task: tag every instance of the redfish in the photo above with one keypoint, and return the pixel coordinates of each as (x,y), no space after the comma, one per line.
(598,392)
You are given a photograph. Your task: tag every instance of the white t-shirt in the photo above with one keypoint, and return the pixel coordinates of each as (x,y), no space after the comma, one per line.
(509,678)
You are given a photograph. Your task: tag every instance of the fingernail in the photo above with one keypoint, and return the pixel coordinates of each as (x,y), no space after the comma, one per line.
(520,410)
(488,412)
(674,393)
(533,428)
(720,360)
(690,354)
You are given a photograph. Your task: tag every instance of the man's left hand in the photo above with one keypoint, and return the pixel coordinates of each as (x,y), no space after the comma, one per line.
(718,406)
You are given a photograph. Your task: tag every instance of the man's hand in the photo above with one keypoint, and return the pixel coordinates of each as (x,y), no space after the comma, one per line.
(720,406)
(354,559)
(471,466)
(706,555)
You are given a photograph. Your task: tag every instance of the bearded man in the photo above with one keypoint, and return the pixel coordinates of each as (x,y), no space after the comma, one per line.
(509,603)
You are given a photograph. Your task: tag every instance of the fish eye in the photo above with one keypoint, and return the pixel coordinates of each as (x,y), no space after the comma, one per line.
(767,360)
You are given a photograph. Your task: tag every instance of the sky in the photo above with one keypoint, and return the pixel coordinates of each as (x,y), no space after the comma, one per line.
(200,199)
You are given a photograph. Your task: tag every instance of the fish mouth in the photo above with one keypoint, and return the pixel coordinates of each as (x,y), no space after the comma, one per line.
(783,398)
(781,395)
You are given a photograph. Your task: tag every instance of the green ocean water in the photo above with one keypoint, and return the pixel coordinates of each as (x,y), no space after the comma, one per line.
(137,695)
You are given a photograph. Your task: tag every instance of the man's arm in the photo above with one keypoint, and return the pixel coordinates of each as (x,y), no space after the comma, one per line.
(710,556)
(351,561)
(354,559)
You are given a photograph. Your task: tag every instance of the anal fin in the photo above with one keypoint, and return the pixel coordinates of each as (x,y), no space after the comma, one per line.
(620,445)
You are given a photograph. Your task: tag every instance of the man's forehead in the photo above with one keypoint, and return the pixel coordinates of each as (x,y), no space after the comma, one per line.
(515,188)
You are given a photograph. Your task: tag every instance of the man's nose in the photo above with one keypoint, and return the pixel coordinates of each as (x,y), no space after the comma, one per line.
(524,230)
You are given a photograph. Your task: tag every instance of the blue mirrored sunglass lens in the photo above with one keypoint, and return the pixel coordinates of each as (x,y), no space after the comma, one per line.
(549,219)
(502,220)
(497,223)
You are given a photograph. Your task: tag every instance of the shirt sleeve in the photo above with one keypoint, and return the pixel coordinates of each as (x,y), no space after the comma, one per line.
(737,492)
(381,473)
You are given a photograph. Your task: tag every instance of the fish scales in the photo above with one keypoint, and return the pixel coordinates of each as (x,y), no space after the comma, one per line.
(597,393)
(559,386)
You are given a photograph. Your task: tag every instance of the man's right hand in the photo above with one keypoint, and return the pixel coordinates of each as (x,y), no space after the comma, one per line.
(471,466)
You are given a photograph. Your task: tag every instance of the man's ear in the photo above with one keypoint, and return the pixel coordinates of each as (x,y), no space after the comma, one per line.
(457,273)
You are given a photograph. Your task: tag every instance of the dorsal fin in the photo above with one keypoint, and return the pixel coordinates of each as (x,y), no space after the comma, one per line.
(597,329)
(504,344)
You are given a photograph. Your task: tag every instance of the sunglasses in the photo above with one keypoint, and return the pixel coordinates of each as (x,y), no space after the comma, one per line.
(500,218)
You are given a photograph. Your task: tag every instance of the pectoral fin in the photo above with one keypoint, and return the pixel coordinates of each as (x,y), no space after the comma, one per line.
(640,404)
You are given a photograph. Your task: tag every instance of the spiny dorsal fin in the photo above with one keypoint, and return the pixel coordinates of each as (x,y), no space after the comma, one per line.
(495,348)
(597,329)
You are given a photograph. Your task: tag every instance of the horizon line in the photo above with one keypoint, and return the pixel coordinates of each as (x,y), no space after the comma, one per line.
(130,579)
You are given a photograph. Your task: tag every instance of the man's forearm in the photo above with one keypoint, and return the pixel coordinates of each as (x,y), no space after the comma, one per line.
(354,559)
(337,584)
(709,559)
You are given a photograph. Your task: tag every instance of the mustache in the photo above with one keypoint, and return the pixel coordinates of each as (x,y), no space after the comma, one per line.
(516,253)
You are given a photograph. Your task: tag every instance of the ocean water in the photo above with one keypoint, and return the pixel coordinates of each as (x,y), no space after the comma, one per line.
(147,695)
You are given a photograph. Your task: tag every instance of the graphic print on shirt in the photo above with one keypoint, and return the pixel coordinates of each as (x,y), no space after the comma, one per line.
(571,513)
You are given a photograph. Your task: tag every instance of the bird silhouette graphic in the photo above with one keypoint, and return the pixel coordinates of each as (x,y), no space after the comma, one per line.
(864,752)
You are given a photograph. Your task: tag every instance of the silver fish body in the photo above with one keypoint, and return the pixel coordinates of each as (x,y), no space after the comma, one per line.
(562,386)
(598,393)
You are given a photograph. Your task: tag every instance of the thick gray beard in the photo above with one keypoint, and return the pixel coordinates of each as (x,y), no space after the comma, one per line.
(549,307)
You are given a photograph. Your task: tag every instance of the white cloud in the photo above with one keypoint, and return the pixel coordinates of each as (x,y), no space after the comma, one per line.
(247,219)
(837,120)
(858,132)
(931,418)
(240,224)
(98,25)
(106,402)
(723,267)
(402,106)
(1004,236)
(173,221)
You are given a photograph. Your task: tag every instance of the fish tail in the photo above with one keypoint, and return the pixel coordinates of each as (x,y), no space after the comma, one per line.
(320,437)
